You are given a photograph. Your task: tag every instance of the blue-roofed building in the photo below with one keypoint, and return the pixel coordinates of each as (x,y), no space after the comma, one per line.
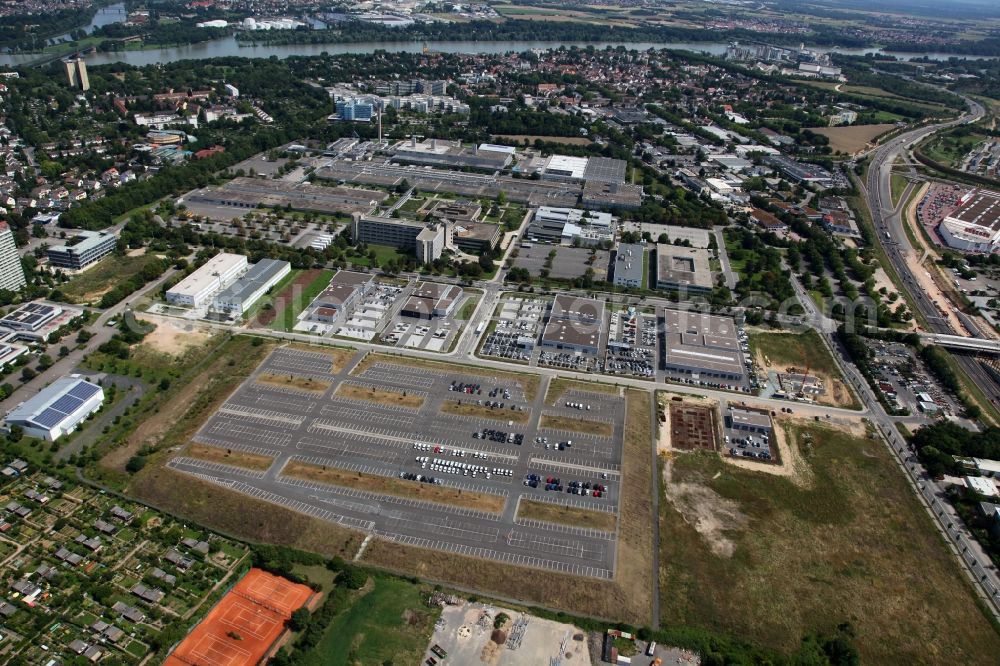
(57,409)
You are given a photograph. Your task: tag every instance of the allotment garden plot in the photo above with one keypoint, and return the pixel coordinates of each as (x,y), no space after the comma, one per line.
(467,460)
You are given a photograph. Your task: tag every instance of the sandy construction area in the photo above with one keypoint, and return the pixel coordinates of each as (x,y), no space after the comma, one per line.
(172,337)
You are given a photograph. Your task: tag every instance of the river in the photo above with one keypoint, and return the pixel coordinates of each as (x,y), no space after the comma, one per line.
(105,16)
(229,46)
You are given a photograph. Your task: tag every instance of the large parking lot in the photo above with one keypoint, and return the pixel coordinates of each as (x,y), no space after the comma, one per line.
(387,447)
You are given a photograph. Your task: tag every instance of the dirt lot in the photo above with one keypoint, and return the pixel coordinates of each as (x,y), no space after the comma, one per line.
(399,488)
(519,138)
(778,352)
(852,138)
(584,426)
(266,316)
(380,396)
(171,338)
(482,411)
(567,515)
(291,381)
(229,457)
(628,598)
(692,427)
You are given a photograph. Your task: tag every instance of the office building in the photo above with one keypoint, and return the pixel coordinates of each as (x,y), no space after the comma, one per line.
(430,300)
(683,269)
(974,225)
(83,250)
(341,295)
(356,109)
(405,234)
(76,73)
(629,265)
(701,346)
(213,276)
(57,409)
(11,271)
(575,325)
(240,296)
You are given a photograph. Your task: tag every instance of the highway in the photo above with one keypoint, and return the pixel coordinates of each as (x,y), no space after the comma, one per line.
(889,227)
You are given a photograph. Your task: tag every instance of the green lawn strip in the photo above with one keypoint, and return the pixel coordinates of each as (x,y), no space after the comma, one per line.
(389,623)
(289,315)
(254,310)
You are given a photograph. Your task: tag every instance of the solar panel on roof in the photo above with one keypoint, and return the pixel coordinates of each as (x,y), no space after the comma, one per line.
(49,418)
(84,391)
(66,404)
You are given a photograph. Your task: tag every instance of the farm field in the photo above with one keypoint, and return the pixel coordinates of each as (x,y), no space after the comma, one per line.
(852,138)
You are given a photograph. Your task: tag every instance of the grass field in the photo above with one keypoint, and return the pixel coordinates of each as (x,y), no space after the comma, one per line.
(380,396)
(388,623)
(482,411)
(229,457)
(795,349)
(628,598)
(567,515)
(846,541)
(396,487)
(383,255)
(897,184)
(529,382)
(291,381)
(574,424)
(105,275)
(852,138)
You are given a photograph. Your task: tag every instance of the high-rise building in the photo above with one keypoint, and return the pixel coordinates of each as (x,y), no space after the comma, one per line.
(11,272)
(76,73)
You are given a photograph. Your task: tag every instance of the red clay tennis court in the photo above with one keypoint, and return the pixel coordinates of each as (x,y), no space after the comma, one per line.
(243,626)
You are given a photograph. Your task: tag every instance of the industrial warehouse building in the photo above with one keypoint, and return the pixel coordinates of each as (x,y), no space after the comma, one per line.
(702,346)
(451,155)
(213,276)
(240,296)
(57,409)
(252,193)
(974,226)
(340,296)
(575,324)
(85,249)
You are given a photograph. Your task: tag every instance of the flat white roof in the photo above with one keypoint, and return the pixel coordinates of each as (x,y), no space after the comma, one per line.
(208,274)
(574,167)
(981,485)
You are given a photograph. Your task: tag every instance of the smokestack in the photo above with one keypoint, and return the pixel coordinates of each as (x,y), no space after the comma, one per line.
(380,125)
(434,144)
(413,141)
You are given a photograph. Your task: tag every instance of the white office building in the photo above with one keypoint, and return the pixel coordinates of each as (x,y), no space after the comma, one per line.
(215,275)
(57,409)
(11,272)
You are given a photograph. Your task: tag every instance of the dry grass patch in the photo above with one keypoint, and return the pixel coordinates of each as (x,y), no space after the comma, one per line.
(240,515)
(291,381)
(851,544)
(380,396)
(528,382)
(567,515)
(559,386)
(628,598)
(235,457)
(852,138)
(339,356)
(390,486)
(482,411)
(574,424)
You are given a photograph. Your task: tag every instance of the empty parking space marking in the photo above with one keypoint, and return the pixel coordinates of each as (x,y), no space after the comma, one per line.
(294,359)
(390,499)
(565,529)
(303,507)
(582,550)
(180,462)
(257,415)
(222,444)
(225,430)
(340,411)
(582,469)
(343,450)
(565,499)
(272,396)
(512,558)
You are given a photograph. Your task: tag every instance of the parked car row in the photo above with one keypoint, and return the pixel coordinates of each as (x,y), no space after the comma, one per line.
(499,436)
(553,483)
(463,468)
(410,476)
